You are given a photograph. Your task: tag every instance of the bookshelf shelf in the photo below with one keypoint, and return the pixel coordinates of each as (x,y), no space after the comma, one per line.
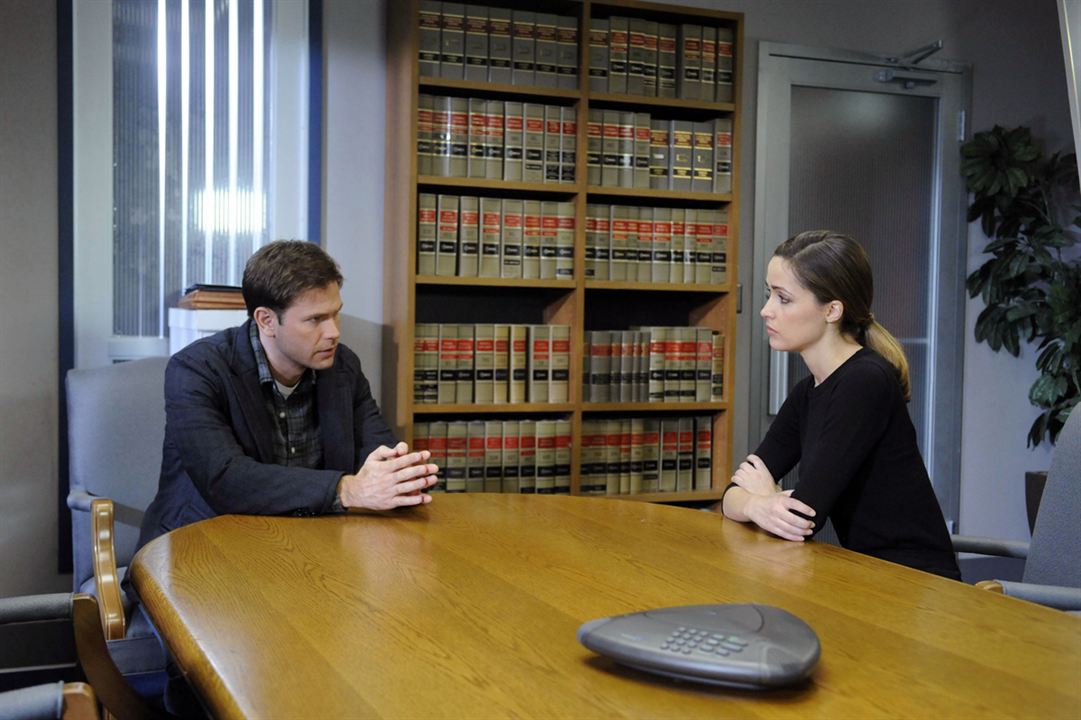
(576,299)
(435,280)
(503,409)
(620,193)
(656,287)
(458,184)
(673,407)
(634,101)
(487,89)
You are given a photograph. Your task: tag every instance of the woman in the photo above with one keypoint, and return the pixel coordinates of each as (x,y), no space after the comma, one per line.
(847,425)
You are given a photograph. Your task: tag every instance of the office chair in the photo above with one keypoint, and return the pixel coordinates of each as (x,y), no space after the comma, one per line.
(1052,573)
(63,629)
(116,424)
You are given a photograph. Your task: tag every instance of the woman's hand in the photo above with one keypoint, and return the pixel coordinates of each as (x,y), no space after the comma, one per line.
(754,477)
(776,513)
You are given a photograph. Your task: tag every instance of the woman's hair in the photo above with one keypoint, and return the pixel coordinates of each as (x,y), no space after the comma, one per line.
(836,267)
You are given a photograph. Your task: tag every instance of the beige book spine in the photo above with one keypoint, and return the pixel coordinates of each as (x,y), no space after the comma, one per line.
(527,456)
(493,456)
(511,442)
(703,240)
(703,363)
(437,445)
(456,446)
(531,238)
(688,339)
(611,456)
(716,379)
(474,464)
(540,358)
(494,139)
(603,240)
(447,392)
(645,244)
(675,266)
(490,229)
(562,474)
(468,236)
(651,453)
(459,137)
(501,365)
(565,241)
(427,212)
(425,363)
(669,454)
(718,271)
(446,253)
(553,139)
(703,453)
(662,244)
(546,457)
(685,471)
(548,233)
(624,456)
(511,244)
(519,368)
(475,164)
(464,393)
(484,364)
(568,144)
(638,430)
(513,140)
(641,150)
(425,118)
(559,382)
(533,163)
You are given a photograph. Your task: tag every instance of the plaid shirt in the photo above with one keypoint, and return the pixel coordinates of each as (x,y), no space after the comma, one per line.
(297,440)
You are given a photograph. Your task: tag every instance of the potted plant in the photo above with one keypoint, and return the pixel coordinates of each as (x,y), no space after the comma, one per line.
(1031,284)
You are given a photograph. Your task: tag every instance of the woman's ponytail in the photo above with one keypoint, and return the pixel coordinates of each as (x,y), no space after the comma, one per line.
(880,340)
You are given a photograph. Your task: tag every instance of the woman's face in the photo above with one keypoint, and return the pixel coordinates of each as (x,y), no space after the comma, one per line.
(795,320)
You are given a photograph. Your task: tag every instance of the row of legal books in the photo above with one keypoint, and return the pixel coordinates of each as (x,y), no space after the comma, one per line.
(491,44)
(627,149)
(511,456)
(642,57)
(490,363)
(495,139)
(627,456)
(656,244)
(202,296)
(467,236)
(653,364)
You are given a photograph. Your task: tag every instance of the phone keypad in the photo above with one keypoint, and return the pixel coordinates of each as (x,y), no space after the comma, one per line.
(687,640)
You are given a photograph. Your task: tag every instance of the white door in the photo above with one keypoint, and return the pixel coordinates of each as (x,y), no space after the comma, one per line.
(857,144)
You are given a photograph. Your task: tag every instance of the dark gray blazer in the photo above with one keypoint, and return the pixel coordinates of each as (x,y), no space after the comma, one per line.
(217,456)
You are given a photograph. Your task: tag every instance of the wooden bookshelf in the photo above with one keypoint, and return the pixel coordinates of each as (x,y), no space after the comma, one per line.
(583,304)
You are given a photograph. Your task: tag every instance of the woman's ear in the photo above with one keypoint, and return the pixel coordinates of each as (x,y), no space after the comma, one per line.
(835,310)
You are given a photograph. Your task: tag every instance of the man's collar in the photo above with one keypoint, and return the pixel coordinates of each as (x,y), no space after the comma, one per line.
(261,362)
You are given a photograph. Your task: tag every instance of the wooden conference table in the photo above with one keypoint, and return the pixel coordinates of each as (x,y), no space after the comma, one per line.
(468,608)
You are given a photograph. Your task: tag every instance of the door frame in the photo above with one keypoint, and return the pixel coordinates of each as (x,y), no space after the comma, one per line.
(780,66)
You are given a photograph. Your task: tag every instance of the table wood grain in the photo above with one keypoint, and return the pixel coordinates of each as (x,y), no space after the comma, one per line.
(468,607)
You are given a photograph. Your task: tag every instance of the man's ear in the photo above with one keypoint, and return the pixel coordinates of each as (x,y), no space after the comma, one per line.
(266,320)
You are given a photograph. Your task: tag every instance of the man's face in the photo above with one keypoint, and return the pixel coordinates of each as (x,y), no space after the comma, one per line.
(306,336)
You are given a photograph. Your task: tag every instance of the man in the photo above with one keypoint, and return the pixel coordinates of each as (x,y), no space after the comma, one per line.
(275,416)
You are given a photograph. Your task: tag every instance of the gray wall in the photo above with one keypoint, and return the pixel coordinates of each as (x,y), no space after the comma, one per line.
(1018,78)
(28,305)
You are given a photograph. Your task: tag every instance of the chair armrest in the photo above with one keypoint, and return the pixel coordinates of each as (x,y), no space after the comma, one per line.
(112,690)
(106,577)
(989,546)
(80,703)
(33,608)
(80,500)
(36,701)
(1055,596)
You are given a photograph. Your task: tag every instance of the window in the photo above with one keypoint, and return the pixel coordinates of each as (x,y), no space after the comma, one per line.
(190,152)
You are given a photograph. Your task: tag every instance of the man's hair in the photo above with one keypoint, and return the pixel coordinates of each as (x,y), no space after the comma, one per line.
(279,272)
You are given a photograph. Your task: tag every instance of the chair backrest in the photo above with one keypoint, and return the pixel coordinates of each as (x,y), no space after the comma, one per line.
(1054,553)
(116,425)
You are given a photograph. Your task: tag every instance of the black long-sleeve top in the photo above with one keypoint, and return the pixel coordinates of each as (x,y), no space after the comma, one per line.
(860,466)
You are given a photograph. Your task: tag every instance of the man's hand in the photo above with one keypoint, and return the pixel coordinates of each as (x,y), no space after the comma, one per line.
(389,478)
(753,476)
(776,513)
